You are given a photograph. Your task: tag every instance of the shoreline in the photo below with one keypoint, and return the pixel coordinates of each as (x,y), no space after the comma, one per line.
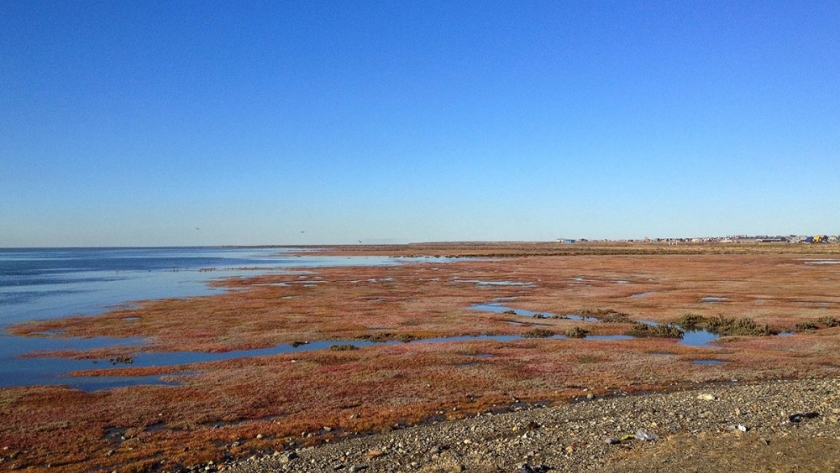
(585,437)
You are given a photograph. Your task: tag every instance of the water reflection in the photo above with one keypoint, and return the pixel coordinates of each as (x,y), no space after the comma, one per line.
(498,308)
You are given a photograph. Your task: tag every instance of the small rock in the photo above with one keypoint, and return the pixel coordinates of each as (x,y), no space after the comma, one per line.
(288,457)
(706,397)
(796,418)
(739,427)
(526,468)
(374,454)
(642,435)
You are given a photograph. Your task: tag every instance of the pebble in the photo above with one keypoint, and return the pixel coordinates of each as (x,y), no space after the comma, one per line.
(575,437)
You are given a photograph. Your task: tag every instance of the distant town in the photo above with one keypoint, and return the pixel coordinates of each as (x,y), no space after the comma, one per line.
(743,239)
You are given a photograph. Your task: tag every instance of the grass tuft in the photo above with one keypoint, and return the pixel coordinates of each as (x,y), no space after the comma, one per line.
(805,326)
(344,347)
(640,330)
(725,326)
(381,337)
(576,332)
(538,333)
(606,315)
(829,322)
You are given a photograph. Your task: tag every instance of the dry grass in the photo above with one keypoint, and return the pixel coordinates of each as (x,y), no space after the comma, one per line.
(289,399)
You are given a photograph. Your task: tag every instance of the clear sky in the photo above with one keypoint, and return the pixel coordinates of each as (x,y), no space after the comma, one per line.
(154,122)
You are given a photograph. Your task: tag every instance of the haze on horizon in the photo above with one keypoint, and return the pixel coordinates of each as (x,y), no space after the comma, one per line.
(151,123)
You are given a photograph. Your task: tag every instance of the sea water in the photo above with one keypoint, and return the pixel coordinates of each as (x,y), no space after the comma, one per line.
(46,283)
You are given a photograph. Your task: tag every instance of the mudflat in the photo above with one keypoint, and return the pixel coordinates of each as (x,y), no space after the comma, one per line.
(571,315)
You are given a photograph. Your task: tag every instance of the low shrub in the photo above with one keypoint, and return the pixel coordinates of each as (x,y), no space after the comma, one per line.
(829,322)
(538,333)
(381,337)
(605,315)
(805,326)
(576,332)
(691,321)
(640,330)
(721,325)
(724,326)
(344,347)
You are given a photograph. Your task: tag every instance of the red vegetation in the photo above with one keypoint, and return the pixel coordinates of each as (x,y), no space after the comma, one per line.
(235,407)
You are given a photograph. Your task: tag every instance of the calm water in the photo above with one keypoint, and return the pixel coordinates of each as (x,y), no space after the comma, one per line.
(49,283)
(53,283)
(60,282)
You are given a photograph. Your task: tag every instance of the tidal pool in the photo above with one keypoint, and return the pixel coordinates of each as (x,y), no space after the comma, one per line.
(498,308)
(708,362)
(694,338)
(47,283)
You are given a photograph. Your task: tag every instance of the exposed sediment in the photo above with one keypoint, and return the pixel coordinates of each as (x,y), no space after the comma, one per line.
(769,426)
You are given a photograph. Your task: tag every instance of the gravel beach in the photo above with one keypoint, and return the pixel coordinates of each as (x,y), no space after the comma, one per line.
(770,426)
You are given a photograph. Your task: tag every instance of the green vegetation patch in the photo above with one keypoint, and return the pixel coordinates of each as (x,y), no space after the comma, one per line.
(381,337)
(640,330)
(538,333)
(606,315)
(805,326)
(344,347)
(725,326)
(576,332)
(828,322)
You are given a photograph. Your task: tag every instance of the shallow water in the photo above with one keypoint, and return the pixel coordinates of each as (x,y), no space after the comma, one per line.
(708,362)
(694,338)
(45,283)
(59,282)
(480,283)
(498,308)
(698,338)
(57,371)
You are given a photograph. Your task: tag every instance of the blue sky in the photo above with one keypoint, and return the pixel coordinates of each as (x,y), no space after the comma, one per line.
(207,122)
